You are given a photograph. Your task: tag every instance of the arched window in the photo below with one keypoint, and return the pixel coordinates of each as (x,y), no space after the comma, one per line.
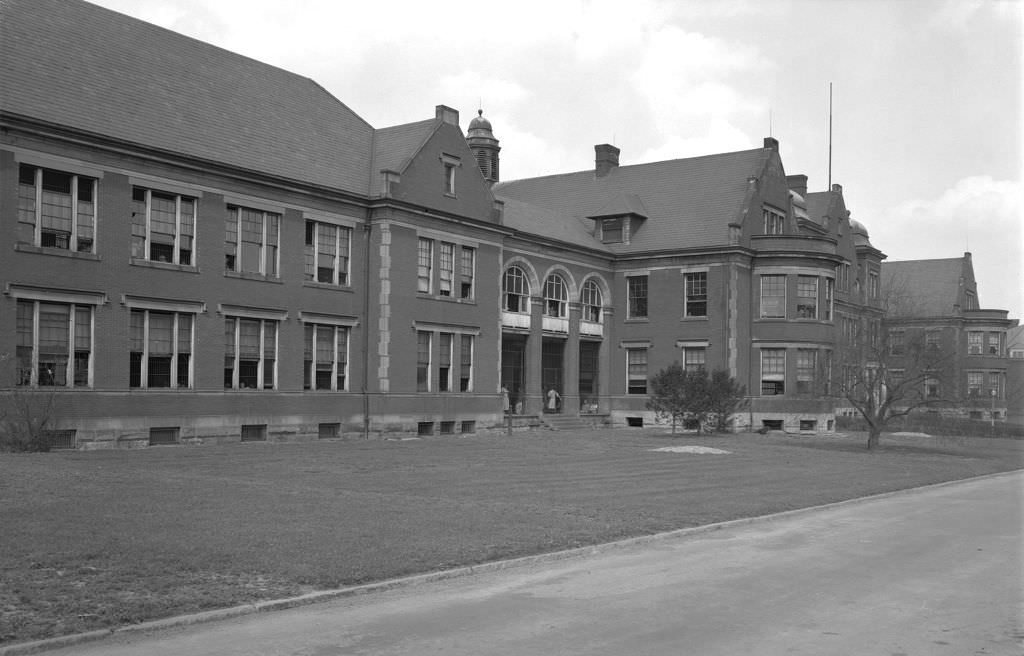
(590,299)
(556,297)
(516,290)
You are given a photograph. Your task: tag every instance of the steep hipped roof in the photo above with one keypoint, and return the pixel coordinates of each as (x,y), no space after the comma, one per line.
(74,64)
(926,288)
(689,202)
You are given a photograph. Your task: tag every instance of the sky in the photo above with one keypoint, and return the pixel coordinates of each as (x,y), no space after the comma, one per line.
(926,95)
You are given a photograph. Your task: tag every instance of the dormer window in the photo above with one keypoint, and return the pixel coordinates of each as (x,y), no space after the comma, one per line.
(613,230)
(774,222)
(451,164)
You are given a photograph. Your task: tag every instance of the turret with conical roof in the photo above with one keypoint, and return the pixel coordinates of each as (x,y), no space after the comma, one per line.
(483,144)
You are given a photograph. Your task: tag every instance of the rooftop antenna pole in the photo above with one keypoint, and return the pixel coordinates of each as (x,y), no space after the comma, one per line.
(770,122)
(830,136)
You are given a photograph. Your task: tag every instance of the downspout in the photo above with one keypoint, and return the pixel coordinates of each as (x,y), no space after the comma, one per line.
(367,230)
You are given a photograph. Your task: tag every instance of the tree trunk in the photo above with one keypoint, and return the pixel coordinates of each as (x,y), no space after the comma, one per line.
(874,433)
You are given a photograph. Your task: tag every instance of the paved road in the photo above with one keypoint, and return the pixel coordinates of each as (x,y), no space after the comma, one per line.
(935,571)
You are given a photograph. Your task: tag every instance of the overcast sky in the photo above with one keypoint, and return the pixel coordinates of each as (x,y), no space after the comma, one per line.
(927,95)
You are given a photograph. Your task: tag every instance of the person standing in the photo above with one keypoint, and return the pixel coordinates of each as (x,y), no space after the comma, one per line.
(554,399)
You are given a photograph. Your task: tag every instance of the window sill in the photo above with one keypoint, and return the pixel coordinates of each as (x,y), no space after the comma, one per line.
(445,299)
(22,247)
(242,275)
(703,318)
(166,266)
(313,284)
(637,320)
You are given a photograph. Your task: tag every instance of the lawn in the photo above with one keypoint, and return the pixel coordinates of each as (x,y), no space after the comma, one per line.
(98,539)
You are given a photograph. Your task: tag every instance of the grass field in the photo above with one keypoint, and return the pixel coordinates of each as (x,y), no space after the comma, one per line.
(98,539)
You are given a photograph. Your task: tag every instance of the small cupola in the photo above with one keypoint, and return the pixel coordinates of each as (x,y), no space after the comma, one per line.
(481,141)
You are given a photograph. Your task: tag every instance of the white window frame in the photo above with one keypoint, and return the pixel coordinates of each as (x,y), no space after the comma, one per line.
(592,301)
(774,221)
(800,295)
(424,272)
(630,314)
(446,269)
(772,377)
(630,351)
(339,361)
(264,260)
(175,347)
(70,371)
(785,300)
(521,290)
(688,277)
(77,179)
(261,372)
(556,295)
(341,275)
(147,244)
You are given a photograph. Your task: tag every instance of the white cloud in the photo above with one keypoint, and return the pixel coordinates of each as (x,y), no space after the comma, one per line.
(720,137)
(977,214)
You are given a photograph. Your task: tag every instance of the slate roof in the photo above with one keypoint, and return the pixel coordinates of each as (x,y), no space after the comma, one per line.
(394,147)
(932,287)
(74,64)
(689,202)
(534,220)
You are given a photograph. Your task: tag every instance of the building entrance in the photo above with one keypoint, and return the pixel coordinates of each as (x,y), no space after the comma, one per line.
(589,376)
(513,370)
(552,375)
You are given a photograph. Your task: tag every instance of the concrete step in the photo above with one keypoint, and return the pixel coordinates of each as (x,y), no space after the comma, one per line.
(570,422)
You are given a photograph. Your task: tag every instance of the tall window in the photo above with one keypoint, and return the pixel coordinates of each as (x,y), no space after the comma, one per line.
(444,362)
(636,296)
(424,265)
(251,241)
(590,299)
(773,296)
(449,179)
(931,388)
(774,222)
(160,349)
(56,209)
(163,226)
(556,297)
(468,268)
(873,285)
(993,344)
(694,358)
(806,297)
(896,342)
(325,357)
(695,288)
(516,290)
(466,364)
(250,353)
(327,252)
(975,381)
(422,361)
(829,298)
(773,371)
(806,370)
(54,344)
(995,385)
(931,339)
(636,371)
(975,343)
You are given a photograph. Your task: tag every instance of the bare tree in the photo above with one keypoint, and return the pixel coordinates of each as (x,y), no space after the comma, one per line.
(889,364)
(26,413)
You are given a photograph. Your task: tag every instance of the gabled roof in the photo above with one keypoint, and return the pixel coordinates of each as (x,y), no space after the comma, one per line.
(394,147)
(81,66)
(925,288)
(689,202)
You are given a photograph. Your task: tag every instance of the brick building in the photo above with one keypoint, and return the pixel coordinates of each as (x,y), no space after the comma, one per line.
(201,247)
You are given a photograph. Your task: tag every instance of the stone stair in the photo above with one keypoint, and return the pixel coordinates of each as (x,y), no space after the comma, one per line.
(571,422)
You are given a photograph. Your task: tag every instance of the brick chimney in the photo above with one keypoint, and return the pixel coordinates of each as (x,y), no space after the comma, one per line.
(797,183)
(771,142)
(447,114)
(606,158)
